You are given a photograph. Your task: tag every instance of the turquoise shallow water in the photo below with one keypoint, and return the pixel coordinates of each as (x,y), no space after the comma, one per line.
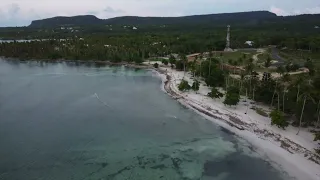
(66,121)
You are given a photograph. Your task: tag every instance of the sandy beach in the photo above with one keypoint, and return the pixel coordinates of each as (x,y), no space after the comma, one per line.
(291,153)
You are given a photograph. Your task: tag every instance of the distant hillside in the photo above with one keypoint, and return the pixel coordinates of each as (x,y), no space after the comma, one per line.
(67,21)
(217,19)
(226,18)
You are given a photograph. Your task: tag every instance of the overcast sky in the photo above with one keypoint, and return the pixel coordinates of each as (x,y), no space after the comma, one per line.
(22,12)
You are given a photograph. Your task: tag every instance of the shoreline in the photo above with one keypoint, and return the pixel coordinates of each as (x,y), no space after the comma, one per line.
(283,151)
(97,62)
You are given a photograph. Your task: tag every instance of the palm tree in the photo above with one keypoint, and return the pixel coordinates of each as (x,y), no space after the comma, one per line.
(318,115)
(285,79)
(298,83)
(254,82)
(242,76)
(210,58)
(305,96)
(240,60)
(184,59)
(194,64)
(249,69)
(172,60)
(281,70)
(200,66)
(226,73)
(244,56)
(274,93)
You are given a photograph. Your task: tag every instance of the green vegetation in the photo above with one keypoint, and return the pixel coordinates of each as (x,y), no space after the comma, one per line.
(184,86)
(195,85)
(215,93)
(264,57)
(300,56)
(156,65)
(236,58)
(174,38)
(232,96)
(317,136)
(165,62)
(278,119)
(172,59)
(261,112)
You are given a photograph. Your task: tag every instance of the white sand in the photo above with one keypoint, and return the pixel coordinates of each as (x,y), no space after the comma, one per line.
(283,148)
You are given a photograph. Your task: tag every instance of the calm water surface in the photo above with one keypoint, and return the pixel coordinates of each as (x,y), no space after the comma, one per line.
(81,122)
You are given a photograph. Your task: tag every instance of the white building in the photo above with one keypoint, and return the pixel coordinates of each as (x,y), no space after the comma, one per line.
(250,43)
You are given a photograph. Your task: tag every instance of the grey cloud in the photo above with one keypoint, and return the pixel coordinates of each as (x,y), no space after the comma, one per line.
(13,9)
(109,9)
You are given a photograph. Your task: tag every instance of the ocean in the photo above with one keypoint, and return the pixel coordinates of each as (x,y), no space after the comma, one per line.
(70,121)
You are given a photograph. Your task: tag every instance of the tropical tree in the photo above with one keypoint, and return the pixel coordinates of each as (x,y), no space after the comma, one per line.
(268,62)
(244,56)
(277,118)
(232,97)
(165,62)
(215,93)
(306,95)
(210,58)
(172,60)
(249,70)
(242,77)
(285,83)
(281,70)
(298,82)
(318,115)
(184,85)
(183,59)
(317,136)
(195,85)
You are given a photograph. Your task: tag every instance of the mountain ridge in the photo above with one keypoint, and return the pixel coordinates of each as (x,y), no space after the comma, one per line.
(84,20)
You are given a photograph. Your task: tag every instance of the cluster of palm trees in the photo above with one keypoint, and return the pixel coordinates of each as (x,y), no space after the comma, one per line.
(287,93)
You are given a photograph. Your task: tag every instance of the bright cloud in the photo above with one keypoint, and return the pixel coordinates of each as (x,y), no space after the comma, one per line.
(282,12)
(22,12)
(278,11)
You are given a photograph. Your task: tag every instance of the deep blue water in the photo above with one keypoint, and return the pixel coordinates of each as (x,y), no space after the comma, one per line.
(82,122)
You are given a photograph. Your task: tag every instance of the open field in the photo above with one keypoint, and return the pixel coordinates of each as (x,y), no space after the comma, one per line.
(300,56)
(263,57)
(235,56)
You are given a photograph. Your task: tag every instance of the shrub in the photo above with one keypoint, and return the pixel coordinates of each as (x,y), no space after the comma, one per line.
(215,93)
(184,85)
(278,119)
(156,65)
(165,62)
(261,112)
(196,85)
(317,136)
(232,96)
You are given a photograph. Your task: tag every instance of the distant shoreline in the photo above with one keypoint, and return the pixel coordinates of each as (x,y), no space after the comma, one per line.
(97,62)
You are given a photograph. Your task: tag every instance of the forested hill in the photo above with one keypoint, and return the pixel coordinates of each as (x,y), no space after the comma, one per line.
(244,18)
(67,21)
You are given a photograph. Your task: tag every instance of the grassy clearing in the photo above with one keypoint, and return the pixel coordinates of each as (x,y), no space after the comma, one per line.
(156,59)
(263,69)
(299,56)
(263,57)
(235,56)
